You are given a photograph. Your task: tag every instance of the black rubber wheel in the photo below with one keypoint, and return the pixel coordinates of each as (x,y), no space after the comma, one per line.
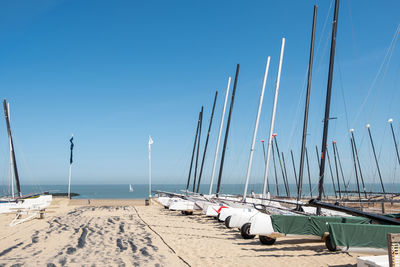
(165,207)
(245,231)
(329,245)
(186,212)
(266,240)
(227,220)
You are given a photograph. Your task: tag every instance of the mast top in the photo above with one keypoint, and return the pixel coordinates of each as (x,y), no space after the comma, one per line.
(367,126)
(390,120)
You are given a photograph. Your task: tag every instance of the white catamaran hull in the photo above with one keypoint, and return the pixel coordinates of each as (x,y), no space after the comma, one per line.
(239,219)
(261,224)
(37,203)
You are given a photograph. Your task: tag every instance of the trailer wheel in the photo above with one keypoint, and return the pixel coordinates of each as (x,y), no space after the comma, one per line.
(165,207)
(266,240)
(187,212)
(227,220)
(329,245)
(245,231)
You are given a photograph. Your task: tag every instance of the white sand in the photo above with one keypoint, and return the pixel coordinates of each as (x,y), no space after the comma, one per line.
(115,233)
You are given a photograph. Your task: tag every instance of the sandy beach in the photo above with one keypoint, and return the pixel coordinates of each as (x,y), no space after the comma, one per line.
(127,233)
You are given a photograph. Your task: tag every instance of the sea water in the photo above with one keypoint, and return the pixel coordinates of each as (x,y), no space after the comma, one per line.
(141,191)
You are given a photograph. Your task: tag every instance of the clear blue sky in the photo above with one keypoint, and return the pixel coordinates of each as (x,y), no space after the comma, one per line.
(115,72)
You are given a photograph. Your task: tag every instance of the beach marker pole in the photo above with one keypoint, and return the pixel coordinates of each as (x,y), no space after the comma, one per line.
(150,143)
(70,166)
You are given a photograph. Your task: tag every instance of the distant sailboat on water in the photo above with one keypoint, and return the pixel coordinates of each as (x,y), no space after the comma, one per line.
(130,188)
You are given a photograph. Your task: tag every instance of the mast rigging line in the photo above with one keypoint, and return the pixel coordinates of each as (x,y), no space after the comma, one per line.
(389,49)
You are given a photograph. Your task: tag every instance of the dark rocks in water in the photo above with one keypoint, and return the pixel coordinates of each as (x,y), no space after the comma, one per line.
(64,194)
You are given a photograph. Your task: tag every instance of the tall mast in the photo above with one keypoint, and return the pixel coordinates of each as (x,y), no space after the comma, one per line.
(198,149)
(358,162)
(294,170)
(308,171)
(303,142)
(327,104)
(219,136)
(194,149)
(376,159)
(221,167)
(336,168)
(394,139)
(330,170)
(276,175)
(256,129)
(281,165)
(205,146)
(271,129)
(341,169)
(355,167)
(11,160)
(5,106)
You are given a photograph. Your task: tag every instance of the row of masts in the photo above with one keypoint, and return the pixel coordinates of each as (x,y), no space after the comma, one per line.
(336,173)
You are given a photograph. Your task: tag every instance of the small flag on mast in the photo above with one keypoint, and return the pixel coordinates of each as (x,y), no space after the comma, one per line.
(72,147)
(150,140)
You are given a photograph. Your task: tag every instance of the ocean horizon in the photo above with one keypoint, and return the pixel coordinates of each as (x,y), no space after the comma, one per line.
(140,191)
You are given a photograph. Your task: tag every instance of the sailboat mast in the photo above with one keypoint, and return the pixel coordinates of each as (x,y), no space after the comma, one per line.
(305,123)
(256,129)
(271,129)
(376,159)
(198,149)
(221,167)
(294,170)
(355,167)
(219,137)
(327,105)
(281,165)
(358,162)
(341,169)
(394,139)
(12,148)
(11,160)
(336,168)
(276,175)
(330,170)
(208,136)
(308,172)
(194,149)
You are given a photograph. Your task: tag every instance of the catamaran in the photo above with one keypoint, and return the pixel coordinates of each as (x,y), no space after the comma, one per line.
(11,204)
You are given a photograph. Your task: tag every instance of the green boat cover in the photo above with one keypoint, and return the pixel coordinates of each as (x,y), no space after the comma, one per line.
(309,225)
(361,235)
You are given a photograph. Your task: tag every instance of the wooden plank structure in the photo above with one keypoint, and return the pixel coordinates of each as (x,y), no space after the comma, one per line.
(394,249)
